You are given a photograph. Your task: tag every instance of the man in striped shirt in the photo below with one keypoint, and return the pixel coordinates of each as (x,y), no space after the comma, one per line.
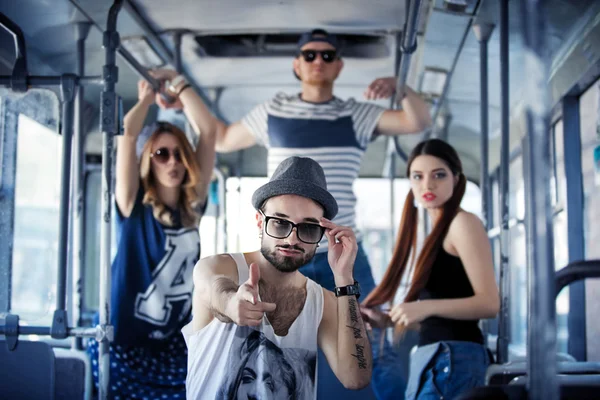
(335,133)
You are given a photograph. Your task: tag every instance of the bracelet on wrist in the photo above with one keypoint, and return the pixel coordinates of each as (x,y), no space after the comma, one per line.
(184,87)
(172,85)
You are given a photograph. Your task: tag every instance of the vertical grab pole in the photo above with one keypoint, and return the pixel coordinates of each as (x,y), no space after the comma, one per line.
(8,165)
(483,32)
(221,214)
(60,320)
(177,56)
(503,321)
(408,44)
(109,126)
(575,223)
(391,154)
(541,360)
(222,206)
(82,30)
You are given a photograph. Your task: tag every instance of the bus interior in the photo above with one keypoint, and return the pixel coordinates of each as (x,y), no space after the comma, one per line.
(514,86)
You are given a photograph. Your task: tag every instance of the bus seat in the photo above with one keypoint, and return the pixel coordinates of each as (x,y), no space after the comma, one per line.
(73,374)
(499,392)
(27,372)
(565,357)
(572,387)
(502,374)
(559,357)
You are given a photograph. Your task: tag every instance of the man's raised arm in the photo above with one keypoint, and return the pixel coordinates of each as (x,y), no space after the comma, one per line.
(414,115)
(342,334)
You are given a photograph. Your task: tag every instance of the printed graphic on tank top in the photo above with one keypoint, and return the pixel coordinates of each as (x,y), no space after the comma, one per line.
(227,361)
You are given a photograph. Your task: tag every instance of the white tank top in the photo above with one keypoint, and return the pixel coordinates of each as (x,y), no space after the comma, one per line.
(227,361)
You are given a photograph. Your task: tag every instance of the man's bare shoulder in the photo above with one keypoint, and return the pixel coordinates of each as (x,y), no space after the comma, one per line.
(219,264)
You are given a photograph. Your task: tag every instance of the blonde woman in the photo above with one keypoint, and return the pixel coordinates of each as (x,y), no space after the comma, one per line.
(160,198)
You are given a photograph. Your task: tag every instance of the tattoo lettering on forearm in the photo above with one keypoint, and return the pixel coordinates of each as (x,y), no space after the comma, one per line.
(353,310)
(360,356)
(356,332)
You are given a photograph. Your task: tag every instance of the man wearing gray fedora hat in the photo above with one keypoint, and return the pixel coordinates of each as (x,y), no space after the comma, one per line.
(336,133)
(258,322)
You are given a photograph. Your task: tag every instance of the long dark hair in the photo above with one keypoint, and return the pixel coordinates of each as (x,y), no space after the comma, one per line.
(407,234)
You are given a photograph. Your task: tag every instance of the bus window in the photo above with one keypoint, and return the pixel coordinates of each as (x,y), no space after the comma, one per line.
(589,108)
(242,234)
(472,199)
(37,194)
(209,239)
(517,259)
(93,190)
(374,219)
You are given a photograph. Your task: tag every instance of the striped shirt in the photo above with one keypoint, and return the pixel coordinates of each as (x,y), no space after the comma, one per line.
(335,134)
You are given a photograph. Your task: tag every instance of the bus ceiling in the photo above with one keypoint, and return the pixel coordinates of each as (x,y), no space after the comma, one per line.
(238,57)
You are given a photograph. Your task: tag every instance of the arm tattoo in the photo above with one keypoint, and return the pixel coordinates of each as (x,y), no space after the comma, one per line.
(353,311)
(354,319)
(360,356)
(356,332)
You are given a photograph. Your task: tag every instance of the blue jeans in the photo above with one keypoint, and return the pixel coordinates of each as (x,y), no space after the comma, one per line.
(388,380)
(446,369)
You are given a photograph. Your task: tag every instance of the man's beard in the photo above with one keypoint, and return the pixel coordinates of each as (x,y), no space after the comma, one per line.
(286,264)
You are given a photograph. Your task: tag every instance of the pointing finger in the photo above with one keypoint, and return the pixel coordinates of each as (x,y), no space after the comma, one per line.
(254,276)
(267,307)
(248,294)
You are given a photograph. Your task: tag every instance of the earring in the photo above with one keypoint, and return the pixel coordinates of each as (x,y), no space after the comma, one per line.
(318,244)
(260,235)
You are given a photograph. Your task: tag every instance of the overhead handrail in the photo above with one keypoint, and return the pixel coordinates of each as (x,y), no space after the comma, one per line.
(445,89)
(19,71)
(167,56)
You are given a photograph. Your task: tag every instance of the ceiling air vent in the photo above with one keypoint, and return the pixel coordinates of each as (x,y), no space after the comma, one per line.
(284,45)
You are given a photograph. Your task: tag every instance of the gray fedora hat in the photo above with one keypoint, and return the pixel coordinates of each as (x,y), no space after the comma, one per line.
(301,176)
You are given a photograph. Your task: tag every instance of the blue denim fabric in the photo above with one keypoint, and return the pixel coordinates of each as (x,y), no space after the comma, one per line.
(388,379)
(444,370)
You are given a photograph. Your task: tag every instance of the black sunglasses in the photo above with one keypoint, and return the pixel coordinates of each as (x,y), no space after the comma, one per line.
(281,228)
(328,56)
(163,155)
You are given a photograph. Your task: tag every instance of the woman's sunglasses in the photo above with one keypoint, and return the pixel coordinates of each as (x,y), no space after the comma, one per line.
(328,56)
(163,155)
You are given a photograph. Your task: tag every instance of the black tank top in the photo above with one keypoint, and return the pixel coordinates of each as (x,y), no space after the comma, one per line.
(448,280)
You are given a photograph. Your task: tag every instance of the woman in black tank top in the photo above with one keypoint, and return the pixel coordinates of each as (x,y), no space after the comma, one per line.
(453,284)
